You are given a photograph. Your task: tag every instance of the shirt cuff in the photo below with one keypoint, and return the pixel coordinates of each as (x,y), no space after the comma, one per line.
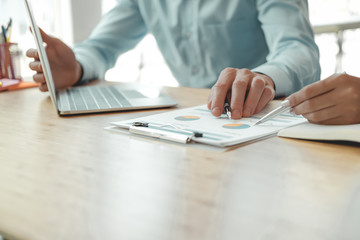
(283,84)
(90,69)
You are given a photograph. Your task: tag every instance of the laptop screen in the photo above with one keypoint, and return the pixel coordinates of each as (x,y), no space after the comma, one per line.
(42,53)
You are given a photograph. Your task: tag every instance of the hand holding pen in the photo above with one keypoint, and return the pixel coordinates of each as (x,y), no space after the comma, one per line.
(258,87)
(333,101)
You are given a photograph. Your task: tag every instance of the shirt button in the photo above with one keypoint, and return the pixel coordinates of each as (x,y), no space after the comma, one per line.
(195,70)
(188,34)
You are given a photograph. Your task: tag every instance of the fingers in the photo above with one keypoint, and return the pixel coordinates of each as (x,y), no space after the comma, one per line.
(43,87)
(267,95)
(39,78)
(239,81)
(336,114)
(220,89)
(256,90)
(210,100)
(316,103)
(32,53)
(323,115)
(261,92)
(312,90)
(239,89)
(36,66)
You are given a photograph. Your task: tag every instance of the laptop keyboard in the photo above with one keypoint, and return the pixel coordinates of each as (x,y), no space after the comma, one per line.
(88,98)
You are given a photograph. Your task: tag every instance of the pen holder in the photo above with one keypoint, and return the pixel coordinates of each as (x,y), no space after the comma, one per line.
(10,61)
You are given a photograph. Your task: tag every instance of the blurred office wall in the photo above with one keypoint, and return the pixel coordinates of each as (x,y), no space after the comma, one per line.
(85,15)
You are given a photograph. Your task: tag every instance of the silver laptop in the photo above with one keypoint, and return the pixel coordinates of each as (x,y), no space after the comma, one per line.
(93,99)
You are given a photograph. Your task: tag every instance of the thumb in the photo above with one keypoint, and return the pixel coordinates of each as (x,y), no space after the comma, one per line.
(46,38)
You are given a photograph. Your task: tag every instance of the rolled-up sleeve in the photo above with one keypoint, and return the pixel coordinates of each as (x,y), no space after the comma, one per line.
(293,60)
(119,31)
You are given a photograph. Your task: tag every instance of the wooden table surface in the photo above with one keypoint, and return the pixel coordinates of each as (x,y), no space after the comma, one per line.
(68,178)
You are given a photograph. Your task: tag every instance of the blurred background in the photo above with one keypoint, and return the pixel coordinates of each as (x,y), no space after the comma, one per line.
(336,25)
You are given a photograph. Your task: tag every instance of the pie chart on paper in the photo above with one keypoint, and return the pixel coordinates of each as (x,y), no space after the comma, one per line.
(236,126)
(187,118)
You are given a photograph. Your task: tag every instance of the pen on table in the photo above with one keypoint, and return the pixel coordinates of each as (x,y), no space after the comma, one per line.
(285,105)
(227,108)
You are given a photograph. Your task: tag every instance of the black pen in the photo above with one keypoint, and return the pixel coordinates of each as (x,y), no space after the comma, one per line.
(227,108)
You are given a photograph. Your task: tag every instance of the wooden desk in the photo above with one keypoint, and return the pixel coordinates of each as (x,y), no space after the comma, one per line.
(68,178)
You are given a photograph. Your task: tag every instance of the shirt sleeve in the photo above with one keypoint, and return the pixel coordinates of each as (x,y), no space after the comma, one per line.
(293,60)
(118,31)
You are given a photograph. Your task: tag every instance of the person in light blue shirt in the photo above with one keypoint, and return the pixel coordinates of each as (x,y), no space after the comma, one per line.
(243,49)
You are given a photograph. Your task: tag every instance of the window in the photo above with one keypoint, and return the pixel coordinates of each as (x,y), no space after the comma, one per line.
(334,11)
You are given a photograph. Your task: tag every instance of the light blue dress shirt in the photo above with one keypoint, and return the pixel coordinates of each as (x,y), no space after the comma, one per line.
(200,38)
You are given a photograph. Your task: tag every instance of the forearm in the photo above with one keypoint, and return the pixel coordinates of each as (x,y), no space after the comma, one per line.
(119,30)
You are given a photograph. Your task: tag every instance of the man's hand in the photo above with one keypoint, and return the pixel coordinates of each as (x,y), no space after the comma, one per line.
(66,71)
(335,100)
(236,84)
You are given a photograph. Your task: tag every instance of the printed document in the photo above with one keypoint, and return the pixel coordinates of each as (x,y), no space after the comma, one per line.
(216,131)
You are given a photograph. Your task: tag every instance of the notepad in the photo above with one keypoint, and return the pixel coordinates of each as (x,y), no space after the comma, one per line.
(185,125)
(323,132)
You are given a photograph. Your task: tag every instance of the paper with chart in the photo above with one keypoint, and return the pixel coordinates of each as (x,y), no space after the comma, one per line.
(216,131)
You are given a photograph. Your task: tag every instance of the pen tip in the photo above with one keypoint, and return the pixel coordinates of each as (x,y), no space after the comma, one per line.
(229,115)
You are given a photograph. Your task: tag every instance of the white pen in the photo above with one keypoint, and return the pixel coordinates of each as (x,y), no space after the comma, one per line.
(285,105)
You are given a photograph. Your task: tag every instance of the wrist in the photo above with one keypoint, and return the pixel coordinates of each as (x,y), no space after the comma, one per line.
(268,79)
(78,72)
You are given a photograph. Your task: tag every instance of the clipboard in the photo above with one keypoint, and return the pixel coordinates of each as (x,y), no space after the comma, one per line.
(197,125)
